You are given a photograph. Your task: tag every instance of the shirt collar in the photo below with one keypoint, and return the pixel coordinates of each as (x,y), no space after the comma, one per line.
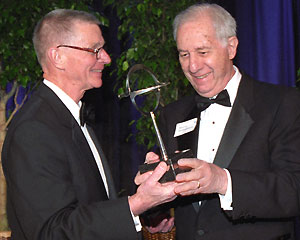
(233,84)
(73,107)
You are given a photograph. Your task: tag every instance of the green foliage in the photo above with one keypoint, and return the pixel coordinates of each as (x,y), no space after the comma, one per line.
(147,28)
(17,21)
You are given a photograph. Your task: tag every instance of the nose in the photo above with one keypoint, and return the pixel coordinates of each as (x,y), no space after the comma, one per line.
(195,63)
(104,57)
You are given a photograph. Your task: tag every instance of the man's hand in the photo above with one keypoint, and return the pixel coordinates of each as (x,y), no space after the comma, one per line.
(151,157)
(164,226)
(151,193)
(203,178)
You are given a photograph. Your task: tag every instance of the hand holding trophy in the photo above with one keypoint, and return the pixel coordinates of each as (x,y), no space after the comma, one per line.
(136,74)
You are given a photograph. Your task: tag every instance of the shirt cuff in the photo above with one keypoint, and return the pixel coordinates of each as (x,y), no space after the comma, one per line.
(226,200)
(137,222)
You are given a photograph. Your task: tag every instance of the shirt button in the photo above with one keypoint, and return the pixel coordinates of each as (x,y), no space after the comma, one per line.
(200,232)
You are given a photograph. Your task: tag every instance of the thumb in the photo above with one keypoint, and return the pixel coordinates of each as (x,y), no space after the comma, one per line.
(151,157)
(159,171)
(140,178)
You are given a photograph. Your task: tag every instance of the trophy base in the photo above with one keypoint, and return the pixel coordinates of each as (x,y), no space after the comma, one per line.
(170,175)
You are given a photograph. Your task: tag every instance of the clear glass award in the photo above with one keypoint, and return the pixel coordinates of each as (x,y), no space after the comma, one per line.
(143,88)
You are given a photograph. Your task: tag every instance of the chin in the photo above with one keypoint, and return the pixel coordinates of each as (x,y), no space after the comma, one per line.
(97,83)
(203,92)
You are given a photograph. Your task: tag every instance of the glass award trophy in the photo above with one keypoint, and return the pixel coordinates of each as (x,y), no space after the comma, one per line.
(143,88)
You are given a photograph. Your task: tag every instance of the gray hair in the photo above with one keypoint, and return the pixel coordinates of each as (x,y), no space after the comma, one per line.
(56,27)
(224,23)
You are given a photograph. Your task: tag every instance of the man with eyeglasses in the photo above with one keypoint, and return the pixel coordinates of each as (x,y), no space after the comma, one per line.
(58,181)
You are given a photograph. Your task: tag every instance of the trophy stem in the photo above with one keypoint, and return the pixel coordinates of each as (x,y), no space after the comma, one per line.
(160,141)
(161,144)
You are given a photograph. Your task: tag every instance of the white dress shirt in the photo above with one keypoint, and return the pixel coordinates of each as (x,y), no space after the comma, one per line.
(212,124)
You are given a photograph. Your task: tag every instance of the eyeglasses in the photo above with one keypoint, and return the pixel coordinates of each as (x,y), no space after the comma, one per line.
(96,51)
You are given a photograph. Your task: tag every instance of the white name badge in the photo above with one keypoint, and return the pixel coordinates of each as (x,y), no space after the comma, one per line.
(185,127)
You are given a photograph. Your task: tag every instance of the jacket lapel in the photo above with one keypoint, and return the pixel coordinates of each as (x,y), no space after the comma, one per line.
(78,138)
(87,156)
(236,128)
(109,178)
(238,124)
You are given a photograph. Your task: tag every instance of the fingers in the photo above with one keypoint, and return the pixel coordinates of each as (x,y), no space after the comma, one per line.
(151,157)
(188,188)
(205,178)
(192,175)
(164,226)
(197,169)
(151,192)
(190,162)
(158,228)
(191,181)
(158,172)
(168,225)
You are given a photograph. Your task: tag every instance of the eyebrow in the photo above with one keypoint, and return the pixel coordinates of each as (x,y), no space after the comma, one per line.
(196,49)
(203,48)
(98,45)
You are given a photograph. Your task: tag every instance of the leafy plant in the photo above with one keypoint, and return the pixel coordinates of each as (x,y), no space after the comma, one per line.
(18,63)
(146,27)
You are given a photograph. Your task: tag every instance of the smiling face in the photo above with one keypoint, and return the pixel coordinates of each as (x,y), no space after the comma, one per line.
(205,60)
(82,71)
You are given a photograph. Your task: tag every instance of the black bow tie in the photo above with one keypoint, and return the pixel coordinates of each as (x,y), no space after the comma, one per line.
(222,99)
(86,114)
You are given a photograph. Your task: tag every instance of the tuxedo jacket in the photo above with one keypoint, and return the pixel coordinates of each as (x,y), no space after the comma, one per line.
(54,188)
(260,147)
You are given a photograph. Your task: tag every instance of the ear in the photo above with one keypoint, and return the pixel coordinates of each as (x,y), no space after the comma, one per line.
(56,57)
(232,46)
